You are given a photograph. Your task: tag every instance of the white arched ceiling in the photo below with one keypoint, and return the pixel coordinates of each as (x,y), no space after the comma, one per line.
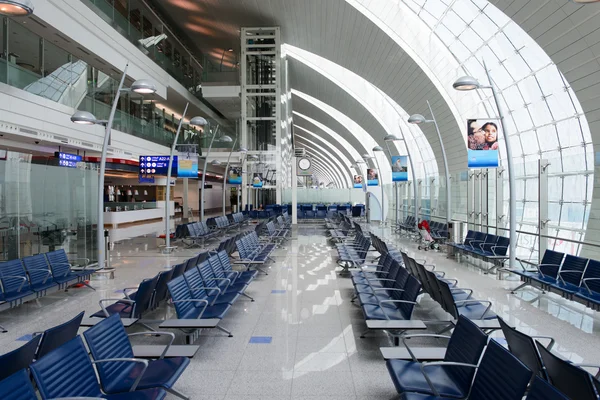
(384,109)
(317,157)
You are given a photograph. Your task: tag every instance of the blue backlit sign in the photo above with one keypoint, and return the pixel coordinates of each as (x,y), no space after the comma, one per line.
(67,159)
(157,165)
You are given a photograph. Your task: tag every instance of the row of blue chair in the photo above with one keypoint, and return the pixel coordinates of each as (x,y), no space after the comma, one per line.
(573,277)
(388,293)
(208,290)
(352,254)
(32,277)
(485,246)
(474,367)
(253,253)
(66,370)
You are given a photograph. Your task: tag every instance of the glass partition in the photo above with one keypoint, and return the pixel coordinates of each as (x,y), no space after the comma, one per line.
(45,208)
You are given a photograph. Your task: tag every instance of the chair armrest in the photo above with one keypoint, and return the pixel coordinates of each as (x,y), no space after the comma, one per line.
(404,337)
(444,363)
(463,302)
(17,277)
(393,289)
(157,333)
(48,275)
(552,341)
(205,302)
(454,281)
(464,289)
(586,285)
(128,288)
(567,270)
(134,360)
(498,247)
(126,301)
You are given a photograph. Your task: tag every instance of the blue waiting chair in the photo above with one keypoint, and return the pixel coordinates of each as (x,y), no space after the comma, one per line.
(18,359)
(17,387)
(15,283)
(574,382)
(189,307)
(55,377)
(134,305)
(589,291)
(499,376)
(465,347)
(58,335)
(108,340)
(40,276)
(542,390)
(63,271)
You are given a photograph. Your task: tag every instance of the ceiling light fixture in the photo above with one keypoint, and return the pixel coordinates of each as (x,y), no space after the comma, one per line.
(16,8)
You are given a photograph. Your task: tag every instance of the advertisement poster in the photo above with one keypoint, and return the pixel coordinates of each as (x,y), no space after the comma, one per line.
(482,142)
(358,181)
(257,180)
(187,166)
(399,168)
(234,175)
(372,177)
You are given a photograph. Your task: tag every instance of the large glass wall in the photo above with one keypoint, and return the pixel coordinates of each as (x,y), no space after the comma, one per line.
(544,117)
(46,207)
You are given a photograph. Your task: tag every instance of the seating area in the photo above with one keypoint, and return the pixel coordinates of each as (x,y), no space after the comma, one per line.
(484,246)
(33,277)
(168,322)
(574,278)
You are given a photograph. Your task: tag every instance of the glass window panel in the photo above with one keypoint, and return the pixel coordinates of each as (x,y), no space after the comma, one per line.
(529,142)
(522,118)
(560,105)
(483,26)
(435,7)
(570,133)
(539,112)
(548,140)
(501,46)
(454,23)
(517,67)
(470,39)
(460,51)
(467,10)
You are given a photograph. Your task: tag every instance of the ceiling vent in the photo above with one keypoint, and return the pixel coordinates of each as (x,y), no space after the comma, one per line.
(299,152)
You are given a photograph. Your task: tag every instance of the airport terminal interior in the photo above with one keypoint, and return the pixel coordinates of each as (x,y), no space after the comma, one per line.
(300,199)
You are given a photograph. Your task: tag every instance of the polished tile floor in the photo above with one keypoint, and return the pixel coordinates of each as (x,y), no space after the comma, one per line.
(300,338)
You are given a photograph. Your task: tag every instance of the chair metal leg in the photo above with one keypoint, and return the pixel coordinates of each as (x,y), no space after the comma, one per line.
(176,393)
(244,294)
(224,330)
(519,287)
(3,329)
(88,285)
(362,335)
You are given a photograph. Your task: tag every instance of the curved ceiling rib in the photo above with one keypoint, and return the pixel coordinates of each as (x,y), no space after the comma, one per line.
(320,153)
(338,157)
(387,113)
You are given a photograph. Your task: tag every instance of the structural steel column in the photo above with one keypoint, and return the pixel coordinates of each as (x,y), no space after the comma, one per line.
(542,207)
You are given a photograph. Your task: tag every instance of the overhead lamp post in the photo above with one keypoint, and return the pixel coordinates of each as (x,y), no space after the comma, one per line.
(226,173)
(380,149)
(198,121)
(387,140)
(141,86)
(469,83)
(419,119)
(223,138)
(243,151)
(251,157)
(16,8)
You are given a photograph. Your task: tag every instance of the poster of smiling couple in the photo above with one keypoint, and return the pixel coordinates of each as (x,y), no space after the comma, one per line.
(482,142)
